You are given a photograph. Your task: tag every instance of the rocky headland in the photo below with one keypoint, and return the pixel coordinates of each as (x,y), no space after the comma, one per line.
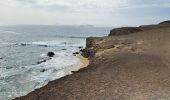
(131,63)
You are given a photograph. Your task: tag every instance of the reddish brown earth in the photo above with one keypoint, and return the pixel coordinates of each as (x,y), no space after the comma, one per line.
(125,67)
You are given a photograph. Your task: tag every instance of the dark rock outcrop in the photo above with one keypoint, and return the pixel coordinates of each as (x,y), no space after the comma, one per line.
(124,31)
(50,54)
(76,53)
(91,47)
(165,22)
(23,44)
(39,62)
(80,47)
(87,53)
(43,70)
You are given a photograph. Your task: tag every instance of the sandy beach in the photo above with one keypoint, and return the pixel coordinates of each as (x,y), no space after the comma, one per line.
(85,61)
(70,69)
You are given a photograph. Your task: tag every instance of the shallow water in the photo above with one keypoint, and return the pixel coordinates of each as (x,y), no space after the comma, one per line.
(21,47)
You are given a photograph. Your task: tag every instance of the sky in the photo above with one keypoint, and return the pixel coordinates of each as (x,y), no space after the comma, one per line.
(84,12)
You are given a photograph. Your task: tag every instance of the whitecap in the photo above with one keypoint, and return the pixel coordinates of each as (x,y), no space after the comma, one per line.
(8,32)
(23,80)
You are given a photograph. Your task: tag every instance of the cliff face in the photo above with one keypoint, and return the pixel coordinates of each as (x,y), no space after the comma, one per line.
(124,31)
(165,23)
(122,39)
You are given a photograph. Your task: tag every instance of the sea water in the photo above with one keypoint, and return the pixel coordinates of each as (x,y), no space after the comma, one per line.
(23,46)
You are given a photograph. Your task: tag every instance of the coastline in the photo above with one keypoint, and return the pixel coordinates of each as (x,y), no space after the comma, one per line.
(132,66)
(70,69)
(85,61)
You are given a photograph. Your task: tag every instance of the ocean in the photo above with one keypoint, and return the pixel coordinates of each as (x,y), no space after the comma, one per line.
(22,47)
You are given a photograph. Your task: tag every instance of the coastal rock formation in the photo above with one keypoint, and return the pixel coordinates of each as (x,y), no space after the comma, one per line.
(42,61)
(50,54)
(165,22)
(124,31)
(127,67)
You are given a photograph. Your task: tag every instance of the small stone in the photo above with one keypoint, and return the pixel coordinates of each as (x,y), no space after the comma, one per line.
(75,53)
(9,67)
(63,49)
(41,61)
(22,44)
(80,47)
(43,70)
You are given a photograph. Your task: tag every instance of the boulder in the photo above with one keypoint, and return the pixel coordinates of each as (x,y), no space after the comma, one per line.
(124,31)
(87,53)
(50,54)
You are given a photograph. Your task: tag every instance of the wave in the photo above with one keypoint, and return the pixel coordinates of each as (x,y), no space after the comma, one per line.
(8,32)
(56,43)
(6,44)
(74,37)
(25,79)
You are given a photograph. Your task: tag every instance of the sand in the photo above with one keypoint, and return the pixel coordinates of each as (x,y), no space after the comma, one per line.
(70,69)
(85,61)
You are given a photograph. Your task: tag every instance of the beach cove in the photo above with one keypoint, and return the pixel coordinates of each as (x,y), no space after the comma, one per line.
(132,63)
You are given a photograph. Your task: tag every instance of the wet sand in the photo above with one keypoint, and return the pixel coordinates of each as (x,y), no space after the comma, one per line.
(85,61)
(70,69)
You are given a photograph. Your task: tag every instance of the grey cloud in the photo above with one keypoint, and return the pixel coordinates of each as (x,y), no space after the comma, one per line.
(27,1)
(149,2)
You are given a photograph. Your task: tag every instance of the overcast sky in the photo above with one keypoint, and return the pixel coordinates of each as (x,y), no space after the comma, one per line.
(82,12)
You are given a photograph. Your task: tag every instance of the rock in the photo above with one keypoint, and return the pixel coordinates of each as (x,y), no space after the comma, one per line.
(165,22)
(76,53)
(63,49)
(124,31)
(1,58)
(44,45)
(22,44)
(80,47)
(41,61)
(87,53)
(90,41)
(43,70)
(9,67)
(50,54)
(73,72)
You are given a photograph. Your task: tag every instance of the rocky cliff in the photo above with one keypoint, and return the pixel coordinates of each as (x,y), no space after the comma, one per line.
(119,40)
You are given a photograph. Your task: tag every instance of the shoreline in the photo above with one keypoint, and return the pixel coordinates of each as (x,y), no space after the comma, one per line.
(85,61)
(70,69)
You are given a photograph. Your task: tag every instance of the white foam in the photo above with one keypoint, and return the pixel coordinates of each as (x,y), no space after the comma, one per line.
(5,44)
(25,79)
(8,32)
(58,43)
